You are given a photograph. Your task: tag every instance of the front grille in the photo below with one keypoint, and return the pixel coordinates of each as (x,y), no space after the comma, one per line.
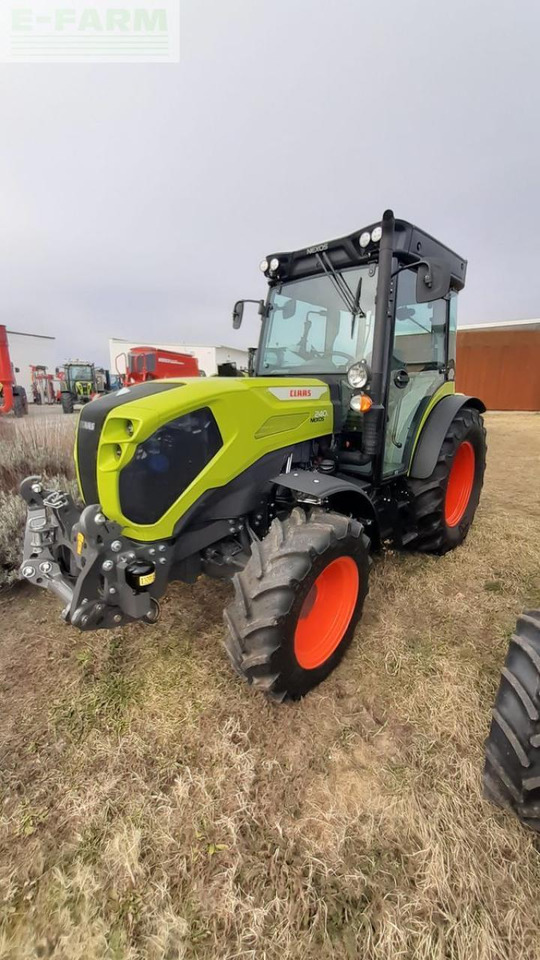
(166,463)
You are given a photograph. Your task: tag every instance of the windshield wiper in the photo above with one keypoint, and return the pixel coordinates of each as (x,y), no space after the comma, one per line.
(351,301)
(357,309)
(340,285)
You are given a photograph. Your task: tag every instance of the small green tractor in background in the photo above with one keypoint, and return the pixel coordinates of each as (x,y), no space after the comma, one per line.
(80,382)
(349,435)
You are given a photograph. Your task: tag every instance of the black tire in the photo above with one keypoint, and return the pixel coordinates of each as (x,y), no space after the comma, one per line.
(512,770)
(20,403)
(68,404)
(432,533)
(270,594)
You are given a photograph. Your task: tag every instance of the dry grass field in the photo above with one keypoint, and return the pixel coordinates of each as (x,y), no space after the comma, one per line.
(154,807)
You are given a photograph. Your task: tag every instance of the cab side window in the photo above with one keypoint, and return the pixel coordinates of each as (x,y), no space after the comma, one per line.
(417,368)
(421,328)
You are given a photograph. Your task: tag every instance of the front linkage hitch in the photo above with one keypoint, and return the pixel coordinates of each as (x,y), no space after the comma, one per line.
(104,579)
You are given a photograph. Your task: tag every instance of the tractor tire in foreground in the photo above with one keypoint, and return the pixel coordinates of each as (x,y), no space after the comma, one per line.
(512,770)
(68,404)
(297,602)
(445,503)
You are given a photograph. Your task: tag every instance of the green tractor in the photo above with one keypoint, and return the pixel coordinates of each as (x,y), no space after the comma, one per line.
(350,435)
(80,382)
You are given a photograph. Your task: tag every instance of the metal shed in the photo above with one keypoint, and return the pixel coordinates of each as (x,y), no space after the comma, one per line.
(500,363)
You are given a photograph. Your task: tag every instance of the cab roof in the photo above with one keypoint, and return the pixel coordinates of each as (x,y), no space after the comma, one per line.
(410,244)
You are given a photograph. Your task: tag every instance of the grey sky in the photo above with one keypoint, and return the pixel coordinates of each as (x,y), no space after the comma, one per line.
(137,200)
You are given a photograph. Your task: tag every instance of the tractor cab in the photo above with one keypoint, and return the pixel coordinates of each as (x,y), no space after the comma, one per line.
(80,379)
(372,314)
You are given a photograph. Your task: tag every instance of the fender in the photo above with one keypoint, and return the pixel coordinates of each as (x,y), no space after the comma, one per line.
(435,430)
(325,486)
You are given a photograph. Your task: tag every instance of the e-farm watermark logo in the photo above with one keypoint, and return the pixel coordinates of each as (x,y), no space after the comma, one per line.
(89,31)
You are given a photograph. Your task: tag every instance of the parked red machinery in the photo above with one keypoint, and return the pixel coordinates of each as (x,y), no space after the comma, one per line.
(152,363)
(42,384)
(12,397)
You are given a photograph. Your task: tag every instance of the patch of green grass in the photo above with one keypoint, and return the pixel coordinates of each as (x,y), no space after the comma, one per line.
(494,586)
(104,698)
(30,819)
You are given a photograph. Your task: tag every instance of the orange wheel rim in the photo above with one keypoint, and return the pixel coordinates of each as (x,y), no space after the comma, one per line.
(460,484)
(326,613)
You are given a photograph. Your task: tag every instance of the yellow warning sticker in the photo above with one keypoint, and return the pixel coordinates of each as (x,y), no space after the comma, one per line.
(147,579)
(80,543)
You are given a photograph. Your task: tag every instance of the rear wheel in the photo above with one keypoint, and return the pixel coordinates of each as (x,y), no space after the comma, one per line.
(68,404)
(512,770)
(20,403)
(445,504)
(297,602)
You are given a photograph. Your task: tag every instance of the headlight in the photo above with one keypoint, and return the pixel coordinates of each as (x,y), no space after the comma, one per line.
(358,375)
(364,238)
(376,234)
(263,265)
(274,263)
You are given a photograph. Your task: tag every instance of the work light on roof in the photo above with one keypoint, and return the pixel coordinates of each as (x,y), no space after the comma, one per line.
(376,234)
(263,265)
(274,264)
(364,238)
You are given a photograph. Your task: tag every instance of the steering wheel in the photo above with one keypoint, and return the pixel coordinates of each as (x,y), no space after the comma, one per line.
(341,353)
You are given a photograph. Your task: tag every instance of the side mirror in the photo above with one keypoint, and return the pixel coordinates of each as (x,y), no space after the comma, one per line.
(237,314)
(289,309)
(432,281)
(404,313)
(238,311)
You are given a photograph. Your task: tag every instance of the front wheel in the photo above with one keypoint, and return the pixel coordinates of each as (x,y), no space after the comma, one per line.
(297,602)
(444,505)
(68,404)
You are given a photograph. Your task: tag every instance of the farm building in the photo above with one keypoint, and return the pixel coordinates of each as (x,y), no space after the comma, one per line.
(27,350)
(500,362)
(208,357)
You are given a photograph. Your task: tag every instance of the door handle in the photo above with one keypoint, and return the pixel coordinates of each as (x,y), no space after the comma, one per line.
(401,379)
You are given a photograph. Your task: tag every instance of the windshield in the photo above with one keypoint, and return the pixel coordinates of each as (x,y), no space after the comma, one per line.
(80,372)
(311,329)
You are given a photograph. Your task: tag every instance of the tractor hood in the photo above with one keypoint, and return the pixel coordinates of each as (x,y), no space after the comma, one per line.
(147,453)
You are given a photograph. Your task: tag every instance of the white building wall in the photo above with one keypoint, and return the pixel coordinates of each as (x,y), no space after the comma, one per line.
(207,357)
(232,355)
(28,350)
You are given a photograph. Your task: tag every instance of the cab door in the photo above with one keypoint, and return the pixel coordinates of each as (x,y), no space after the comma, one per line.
(418,367)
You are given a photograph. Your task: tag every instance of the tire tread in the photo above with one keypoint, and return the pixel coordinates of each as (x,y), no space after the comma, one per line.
(512,767)
(265,590)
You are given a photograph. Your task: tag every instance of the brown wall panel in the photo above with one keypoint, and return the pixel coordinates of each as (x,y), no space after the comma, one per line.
(502,367)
